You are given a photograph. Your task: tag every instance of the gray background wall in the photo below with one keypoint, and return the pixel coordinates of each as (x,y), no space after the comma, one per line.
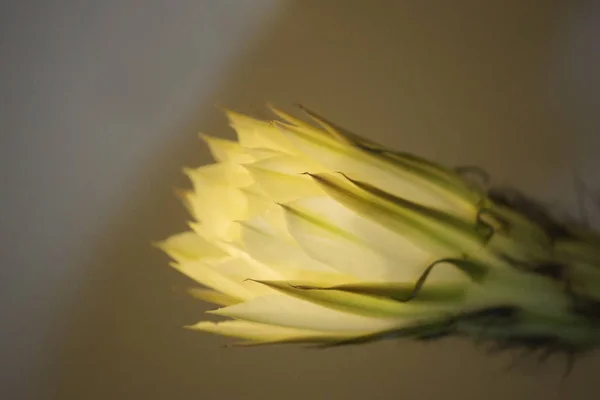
(100,103)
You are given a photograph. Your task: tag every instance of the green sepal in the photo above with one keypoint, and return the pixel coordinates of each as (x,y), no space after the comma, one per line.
(399,291)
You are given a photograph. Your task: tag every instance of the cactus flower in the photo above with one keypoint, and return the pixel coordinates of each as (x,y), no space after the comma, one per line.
(307,233)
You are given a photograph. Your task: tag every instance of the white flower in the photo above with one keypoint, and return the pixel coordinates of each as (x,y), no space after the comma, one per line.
(312,234)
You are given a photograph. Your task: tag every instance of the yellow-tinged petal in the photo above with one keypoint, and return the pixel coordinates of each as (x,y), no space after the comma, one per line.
(230,151)
(446,178)
(345,251)
(282,310)
(262,243)
(212,278)
(256,134)
(188,246)
(313,234)
(325,214)
(264,333)
(283,188)
(219,207)
(426,169)
(363,166)
(290,119)
(225,174)
(224,150)
(361,304)
(243,268)
(290,165)
(442,235)
(212,296)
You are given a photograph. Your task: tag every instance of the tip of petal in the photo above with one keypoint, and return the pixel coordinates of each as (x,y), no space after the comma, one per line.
(188,171)
(202,326)
(195,226)
(206,138)
(218,311)
(182,193)
(159,244)
(234,116)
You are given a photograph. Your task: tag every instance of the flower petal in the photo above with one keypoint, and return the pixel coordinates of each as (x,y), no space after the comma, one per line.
(281,187)
(360,304)
(262,243)
(282,310)
(188,246)
(441,234)
(212,278)
(407,182)
(212,296)
(256,134)
(224,174)
(343,250)
(270,334)
(314,222)
(224,150)
(401,291)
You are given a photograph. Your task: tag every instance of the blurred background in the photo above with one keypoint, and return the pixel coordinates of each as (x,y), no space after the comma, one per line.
(100,105)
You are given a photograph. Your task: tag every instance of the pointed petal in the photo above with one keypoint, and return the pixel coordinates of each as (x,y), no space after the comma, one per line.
(401,181)
(228,174)
(257,134)
(442,176)
(289,165)
(270,334)
(212,278)
(441,234)
(282,310)
(359,304)
(262,243)
(314,222)
(289,119)
(341,249)
(213,296)
(217,210)
(421,330)
(337,131)
(243,268)
(217,207)
(283,187)
(224,150)
(188,246)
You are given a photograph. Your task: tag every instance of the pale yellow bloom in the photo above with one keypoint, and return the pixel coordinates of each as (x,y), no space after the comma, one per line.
(310,234)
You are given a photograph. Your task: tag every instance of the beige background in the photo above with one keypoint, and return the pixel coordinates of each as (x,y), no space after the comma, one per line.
(100,103)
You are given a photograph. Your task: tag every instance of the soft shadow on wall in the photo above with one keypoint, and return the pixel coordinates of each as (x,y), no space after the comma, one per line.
(463,83)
